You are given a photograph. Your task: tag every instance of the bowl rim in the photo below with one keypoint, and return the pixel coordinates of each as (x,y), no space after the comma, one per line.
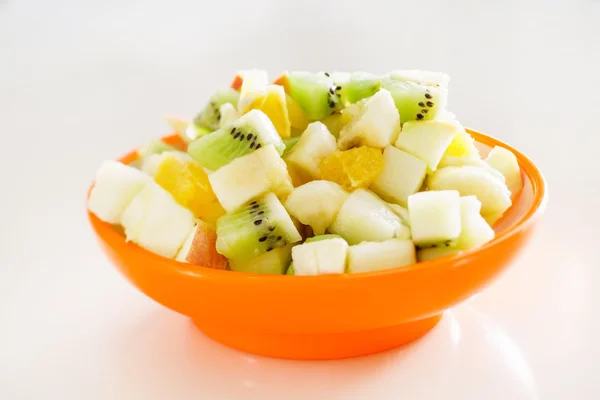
(112,237)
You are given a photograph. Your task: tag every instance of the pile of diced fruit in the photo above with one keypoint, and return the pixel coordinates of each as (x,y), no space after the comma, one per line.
(315,173)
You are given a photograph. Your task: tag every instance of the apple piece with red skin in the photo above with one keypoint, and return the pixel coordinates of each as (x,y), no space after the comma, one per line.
(200,248)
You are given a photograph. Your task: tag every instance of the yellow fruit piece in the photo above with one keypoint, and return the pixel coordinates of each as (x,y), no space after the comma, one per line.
(354,168)
(296,115)
(189,185)
(335,122)
(272,102)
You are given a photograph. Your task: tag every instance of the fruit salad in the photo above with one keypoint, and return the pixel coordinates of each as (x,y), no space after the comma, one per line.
(312,173)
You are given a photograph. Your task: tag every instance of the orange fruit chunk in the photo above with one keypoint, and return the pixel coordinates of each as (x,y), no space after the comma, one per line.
(354,168)
(189,185)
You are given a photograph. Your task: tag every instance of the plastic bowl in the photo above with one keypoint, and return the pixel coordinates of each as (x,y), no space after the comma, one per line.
(328,316)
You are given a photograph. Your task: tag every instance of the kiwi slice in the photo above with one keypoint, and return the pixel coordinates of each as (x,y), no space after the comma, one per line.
(243,136)
(255,228)
(315,93)
(351,88)
(291,270)
(210,116)
(415,100)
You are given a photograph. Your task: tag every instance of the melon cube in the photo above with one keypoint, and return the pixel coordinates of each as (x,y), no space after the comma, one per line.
(435,217)
(402,175)
(374,256)
(475,231)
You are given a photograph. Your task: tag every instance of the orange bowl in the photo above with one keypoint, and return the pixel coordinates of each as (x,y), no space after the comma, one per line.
(328,316)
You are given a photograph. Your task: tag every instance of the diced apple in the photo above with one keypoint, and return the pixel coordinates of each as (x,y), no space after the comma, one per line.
(200,248)
(315,144)
(115,187)
(435,217)
(427,140)
(316,204)
(320,257)
(374,256)
(378,125)
(156,222)
(250,176)
(402,175)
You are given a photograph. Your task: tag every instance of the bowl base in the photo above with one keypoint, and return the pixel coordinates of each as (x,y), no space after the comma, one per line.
(319,347)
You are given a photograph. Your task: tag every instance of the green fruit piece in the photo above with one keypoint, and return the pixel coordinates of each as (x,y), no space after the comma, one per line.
(210,116)
(274,262)
(356,86)
(245,135)
(254,229)
(154,147)
(291,270)
(322,237)
(290,143)
(415,99)
(427,140)
(315,93)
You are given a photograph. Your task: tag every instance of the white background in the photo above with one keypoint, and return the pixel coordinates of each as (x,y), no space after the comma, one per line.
(83,81)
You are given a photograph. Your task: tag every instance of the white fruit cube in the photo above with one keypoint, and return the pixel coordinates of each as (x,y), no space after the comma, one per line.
(315,144)
(250,176)
(402,175)
(475,231)
(378,125)
(156,222)
(400,211)
(115,186)
(365,217)
(322,257)
(505,162)
(374,256)
(316,204)
(427,140)
(471,180)
(434,217)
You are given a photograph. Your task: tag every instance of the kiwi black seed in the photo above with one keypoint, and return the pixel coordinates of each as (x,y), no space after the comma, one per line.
(424,111)
(428,96)
(420,117)
(421,104)
(429,104)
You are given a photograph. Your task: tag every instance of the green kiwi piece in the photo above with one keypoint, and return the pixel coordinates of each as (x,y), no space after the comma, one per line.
(256,228)
(315,93)
(210,116)
(274,262)
(243,136)
(415,100)
(351,88)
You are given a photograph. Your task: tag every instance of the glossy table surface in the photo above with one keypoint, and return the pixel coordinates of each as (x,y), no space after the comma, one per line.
(81,82)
